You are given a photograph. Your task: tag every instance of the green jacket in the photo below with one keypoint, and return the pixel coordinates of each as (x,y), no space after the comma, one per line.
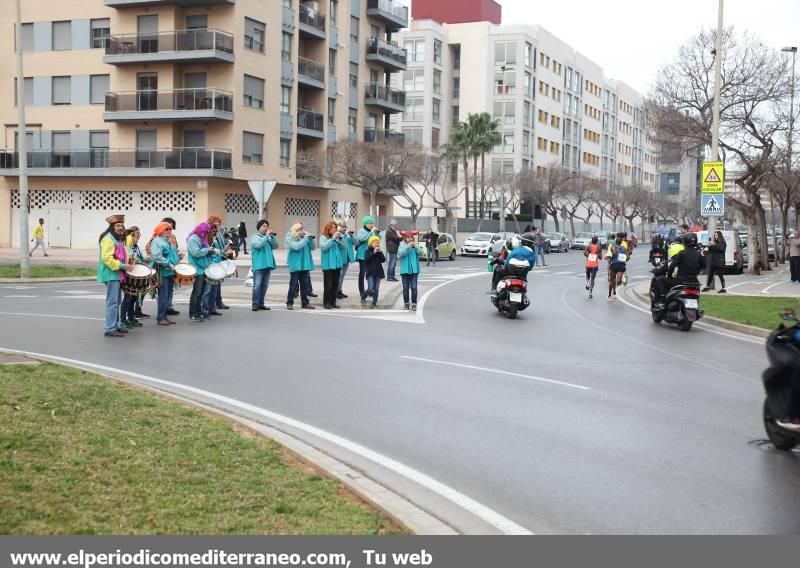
(107,265)
(361,243)
(331,253)
(409,259)
(349,251)
(299,257)
(164,255)
(262,256)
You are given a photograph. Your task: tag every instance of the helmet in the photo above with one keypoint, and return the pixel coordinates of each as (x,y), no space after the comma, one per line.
(515,242)
(528,239)
(690,239)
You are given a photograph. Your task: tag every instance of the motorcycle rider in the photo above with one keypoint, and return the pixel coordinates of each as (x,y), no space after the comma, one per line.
(499,263)
(688,262)
(658,248)
(523,250)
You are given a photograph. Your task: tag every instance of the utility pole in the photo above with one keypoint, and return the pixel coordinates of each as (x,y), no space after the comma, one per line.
(22,152)
(712,221)
(503,157)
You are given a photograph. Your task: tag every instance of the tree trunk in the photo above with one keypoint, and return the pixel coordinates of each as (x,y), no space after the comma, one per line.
(752,249)
(466,185)
(555,222)
(483,185)
(761,219)
(784,231)
(372,196)
(475,186)
(600,214)
(572,225)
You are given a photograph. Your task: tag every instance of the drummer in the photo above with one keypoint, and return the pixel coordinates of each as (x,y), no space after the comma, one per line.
(128,311)
(214,301)
(111,268)
(199,257)
(173,239)
(165,257)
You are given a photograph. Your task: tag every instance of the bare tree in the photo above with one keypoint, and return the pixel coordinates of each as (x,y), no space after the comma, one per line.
(445,197)
(578,198)
(427,171)
(548,189)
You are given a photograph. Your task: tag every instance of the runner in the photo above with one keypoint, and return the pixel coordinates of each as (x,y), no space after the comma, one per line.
(592,253)
(617,255)
(628,244)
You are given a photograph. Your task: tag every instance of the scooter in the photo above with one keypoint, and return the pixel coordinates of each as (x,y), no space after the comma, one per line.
(511,294)
(782,383)
(681,306)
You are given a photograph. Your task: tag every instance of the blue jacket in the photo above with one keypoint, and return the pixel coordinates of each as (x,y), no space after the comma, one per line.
(332,250)
(198,253)
(361,243)
(164,255)
(299,257)
(262,246)
(523,253)
(409,259)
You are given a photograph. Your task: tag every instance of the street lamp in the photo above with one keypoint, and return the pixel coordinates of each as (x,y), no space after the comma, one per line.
(24,259)
(793,51)
(504,68)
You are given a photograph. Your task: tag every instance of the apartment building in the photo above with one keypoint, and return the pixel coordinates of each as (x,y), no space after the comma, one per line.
(556,107)
(170,107)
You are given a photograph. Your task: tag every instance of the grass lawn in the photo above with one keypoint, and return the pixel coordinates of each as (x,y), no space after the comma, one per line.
(37,271)
(756,311)
(80,454)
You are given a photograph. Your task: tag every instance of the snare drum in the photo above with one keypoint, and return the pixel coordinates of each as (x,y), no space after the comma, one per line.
(184,274)
(215,273)
(230,268)
(138,280)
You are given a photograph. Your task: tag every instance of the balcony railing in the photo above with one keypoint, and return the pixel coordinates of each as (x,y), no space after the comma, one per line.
(311,69)
(389,10)
(115,158)
(165,42)
(385,93)
(373,135)
(387,50)
(311,18)
(173,100)
(310,120)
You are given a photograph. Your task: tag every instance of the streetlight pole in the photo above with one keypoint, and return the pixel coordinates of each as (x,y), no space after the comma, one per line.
(793,51)
(503,158)
(712,221)
(24,258)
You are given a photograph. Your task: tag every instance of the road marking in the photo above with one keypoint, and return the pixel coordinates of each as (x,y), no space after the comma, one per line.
(497,372)
(17,287)
(562,273)
(77,292)
(422,301)
(481,511)
(49,316)
(19,296)
(768,288)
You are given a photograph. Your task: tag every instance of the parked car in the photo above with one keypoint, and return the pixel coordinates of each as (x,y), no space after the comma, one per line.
(445,248)
(734,252)
(582,240)
(558,242)
(478,244)
(605,237)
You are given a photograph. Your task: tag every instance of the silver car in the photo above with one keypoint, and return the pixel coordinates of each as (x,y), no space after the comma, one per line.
(582,240)
(558,242)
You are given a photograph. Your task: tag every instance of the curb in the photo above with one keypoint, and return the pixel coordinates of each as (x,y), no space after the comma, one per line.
(53,279)
(398,508)
(385,303)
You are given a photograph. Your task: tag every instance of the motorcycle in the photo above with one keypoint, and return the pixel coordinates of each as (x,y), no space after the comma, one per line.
(510,294)
(232,243)
(681,306)
(782,383)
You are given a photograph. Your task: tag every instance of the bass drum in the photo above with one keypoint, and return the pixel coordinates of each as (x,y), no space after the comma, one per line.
(230,268)
(185,274)
(138,280)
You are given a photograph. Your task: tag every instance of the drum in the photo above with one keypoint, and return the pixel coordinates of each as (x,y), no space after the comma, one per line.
(215,273)
(230,268)
(184,274)
(138,280)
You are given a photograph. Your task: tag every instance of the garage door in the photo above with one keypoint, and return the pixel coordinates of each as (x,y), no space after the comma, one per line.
(305,210)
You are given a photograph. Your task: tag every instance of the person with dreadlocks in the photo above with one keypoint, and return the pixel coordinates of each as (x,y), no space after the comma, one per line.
(111,268)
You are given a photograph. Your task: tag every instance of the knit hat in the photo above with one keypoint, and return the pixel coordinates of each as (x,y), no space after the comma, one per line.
(373,240)
(367,220)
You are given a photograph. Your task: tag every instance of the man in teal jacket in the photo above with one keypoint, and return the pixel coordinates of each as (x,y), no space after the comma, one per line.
(262,245)
(300,264)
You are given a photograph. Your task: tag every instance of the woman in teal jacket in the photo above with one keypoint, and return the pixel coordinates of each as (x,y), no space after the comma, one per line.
(165,257)
(262,244)
(348,254)
(332,247)
(409,269)
(300,265)
(199,253)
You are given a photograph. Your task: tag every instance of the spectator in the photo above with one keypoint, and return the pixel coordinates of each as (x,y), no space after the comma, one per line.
(716,251)
(409,270)
(794,256)
(374,261)
(243,235)
(431,241)
(393,240)
(539,245)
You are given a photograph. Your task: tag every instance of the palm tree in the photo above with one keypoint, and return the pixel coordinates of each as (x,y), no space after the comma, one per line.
(460,148)
(486,136)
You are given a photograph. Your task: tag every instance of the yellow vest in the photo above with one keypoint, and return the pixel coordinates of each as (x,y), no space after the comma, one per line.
(675,248)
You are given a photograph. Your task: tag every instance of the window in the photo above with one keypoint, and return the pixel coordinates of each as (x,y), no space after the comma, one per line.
(414,108)
(413,135)
(528,84)
(352,121)
(508,143)
(62,36)
(354,23)
(555,122)
(504,111)
(374,32)
(526,113)
(414,80)
(27,37)
(456,110)
(253,92)
(541,144)
(61,146)
(255,33)
(331,111)
(526,144)
(286,99)
(456,87)
(505,52)
(554,147)
(437,82)
(528,54)
(437,52)
(543,116)
(454,172)
(101,33)
(436,111)
(28,86)
(434,138)
(354,75)
(332,62)
(505,83)
(416,50)
(197,22)
(286,149)
(332,11)
(252,147)
(98,87)
(286,46)
(62,90)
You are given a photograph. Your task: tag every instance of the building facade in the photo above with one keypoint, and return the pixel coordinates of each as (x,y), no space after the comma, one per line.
(162,108)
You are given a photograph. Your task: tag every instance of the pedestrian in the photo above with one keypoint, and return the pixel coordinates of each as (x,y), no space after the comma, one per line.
(374,260)
(200,254)
(165,258)
(527,229)
(539,245)
(716,266)
(300,264)
(393,240)
(409,270)
(38,236)
(243,235)
(593,254)
(364,233)
(111,268)
(263,243)
(331,248)
(348,254)
(212,296)
(794,257)
(129,309)
(431,242)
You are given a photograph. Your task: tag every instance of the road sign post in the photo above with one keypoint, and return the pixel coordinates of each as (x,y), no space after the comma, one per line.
(261,190)
(712,198)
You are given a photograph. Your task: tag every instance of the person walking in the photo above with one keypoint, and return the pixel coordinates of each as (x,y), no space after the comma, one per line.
(243,235)
(111,268)
(331,249)
(393,240)
(300,264)
(375,259)
(716,266)
(538,244)
(409,270)
(165,258)
(431,242)
(366,231)
(794,256)
(262,245)
(38,237)
(348,254)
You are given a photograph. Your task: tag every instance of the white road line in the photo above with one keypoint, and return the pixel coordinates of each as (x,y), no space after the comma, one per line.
(481,511)
(421,301)
(49,316)
(18,296)
(562,273)
(496,371)
(77,292)
(768,288)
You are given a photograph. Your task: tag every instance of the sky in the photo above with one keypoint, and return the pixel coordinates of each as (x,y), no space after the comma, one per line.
(631,39)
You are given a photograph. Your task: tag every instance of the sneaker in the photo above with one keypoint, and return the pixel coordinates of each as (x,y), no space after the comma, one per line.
(312,295)
(134,323)
(723,291)
(590,295)
(114,334)
(309,307)
(326,306)
(214,313)
(164,322)
(122,330)
(196,319)
(171,312)
(373,306)
(223,307)
(587,286)
(340,296)
(264,308)
(141,315)
(363,302)
(788,424)
(706,289)
(289,307)
(124,324)
(255,308)
(413,307)
(406,307)
(610,298)
(46,254)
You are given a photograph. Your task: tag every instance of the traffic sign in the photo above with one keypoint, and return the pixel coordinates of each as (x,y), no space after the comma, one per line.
(712,205)
(713,177)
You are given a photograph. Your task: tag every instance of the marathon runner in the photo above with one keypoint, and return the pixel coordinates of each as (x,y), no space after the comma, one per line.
(617,256)
(592,253)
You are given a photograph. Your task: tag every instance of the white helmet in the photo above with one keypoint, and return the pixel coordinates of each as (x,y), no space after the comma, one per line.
(515,242)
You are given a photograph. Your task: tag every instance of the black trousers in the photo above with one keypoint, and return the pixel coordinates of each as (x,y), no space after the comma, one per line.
(196,298)
(794,268)
(362,277)
(330,285)
(715,272)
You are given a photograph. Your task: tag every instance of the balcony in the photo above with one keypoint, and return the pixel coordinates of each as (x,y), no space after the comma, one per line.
(178,104)
(310,73)
(390,55)
(310,124)
(187,46)
(387,98)
(377,136)
(181,3)
(394,15)
(104,162)
(312,23)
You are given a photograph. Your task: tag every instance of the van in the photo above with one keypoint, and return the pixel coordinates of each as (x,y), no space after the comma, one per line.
(734,257)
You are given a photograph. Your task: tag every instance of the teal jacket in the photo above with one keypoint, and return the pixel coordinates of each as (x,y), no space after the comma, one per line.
(198,254)
(107,265)
(262,246)
(299,257)
(361,243)
(409,260)
(332,251)
(348,252)
(164,255)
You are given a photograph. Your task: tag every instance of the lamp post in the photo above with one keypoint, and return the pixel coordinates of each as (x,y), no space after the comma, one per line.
(712,221)
(504,68)
(793,51)
(22,141)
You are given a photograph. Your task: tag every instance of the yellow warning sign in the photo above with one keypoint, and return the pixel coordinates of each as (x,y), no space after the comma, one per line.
(713,177)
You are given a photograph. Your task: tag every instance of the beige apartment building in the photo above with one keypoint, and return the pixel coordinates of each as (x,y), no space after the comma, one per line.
(162,108)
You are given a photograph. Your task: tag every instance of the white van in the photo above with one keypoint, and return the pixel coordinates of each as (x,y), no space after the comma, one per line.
(734,259)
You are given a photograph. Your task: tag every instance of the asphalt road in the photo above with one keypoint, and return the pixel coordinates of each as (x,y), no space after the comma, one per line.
(581,416)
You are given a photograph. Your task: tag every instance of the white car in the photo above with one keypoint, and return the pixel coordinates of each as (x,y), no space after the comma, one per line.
(479,244)
(582,240)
